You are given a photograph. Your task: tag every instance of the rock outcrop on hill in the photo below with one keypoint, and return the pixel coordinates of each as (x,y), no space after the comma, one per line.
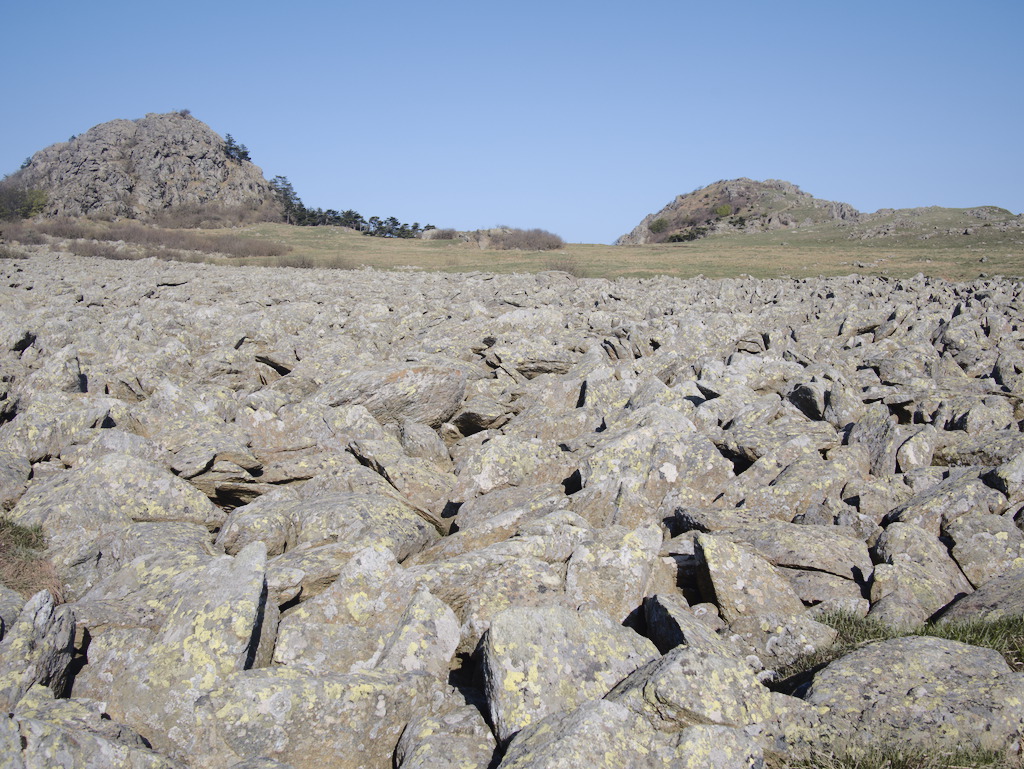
(143,168)
(363,519)
(737,205)
(744,206)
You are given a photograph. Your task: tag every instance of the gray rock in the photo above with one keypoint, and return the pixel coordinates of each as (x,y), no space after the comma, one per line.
(37,649)
(426,394)
(964,693)
(915,576)
(741,583)
(542,661)
(299,727)
(689,686)
(999,598)
(986,546)
(449,740)
(207,636)
(170,160)
(371,617)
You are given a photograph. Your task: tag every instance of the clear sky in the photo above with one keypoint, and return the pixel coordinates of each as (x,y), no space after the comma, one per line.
(577,117)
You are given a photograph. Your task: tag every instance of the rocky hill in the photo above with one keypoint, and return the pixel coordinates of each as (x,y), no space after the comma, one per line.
(405,520)
(744,206)
(144,168)
(737,205)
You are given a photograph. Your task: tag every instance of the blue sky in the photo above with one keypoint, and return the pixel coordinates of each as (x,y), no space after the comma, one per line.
(578,117)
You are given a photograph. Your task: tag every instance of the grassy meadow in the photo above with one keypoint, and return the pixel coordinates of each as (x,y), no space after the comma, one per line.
(825,250)
(929,241)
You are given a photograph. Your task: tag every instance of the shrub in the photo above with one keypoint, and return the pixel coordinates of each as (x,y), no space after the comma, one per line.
(26,235)
(565,263)
(209,216)
(692,233)
(659,225)
(724,210)
(444,234)
(237,246)
(19,202)
(525,240)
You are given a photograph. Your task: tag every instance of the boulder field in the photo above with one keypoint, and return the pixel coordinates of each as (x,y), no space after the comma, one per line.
(314,518)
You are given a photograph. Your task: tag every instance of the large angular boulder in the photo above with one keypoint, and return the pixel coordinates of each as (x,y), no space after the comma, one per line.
(427,394)
(373,616)
(36,649)
(546,660)
(883,693)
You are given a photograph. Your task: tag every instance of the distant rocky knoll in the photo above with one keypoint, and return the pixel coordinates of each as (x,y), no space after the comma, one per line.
(143,168)
(362,519)
(748,206)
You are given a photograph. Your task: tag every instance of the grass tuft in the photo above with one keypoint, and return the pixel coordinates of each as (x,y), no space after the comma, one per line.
(1005,635)
(902,757)
(23,567)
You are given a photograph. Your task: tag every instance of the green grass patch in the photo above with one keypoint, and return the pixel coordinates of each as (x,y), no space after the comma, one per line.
(1005,635)
(904,758)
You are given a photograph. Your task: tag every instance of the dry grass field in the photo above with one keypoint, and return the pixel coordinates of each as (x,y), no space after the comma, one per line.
(929,241)
(796,253)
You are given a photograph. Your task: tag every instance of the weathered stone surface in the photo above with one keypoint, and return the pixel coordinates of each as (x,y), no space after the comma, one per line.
(205,637)
(372,616)
(915,577)
(503,461)
(165,160)
(986,546)
(740,582)
(15,471)
(611,572)
(671,623)
(427,394)
(817,548)
(999,598)
(451,740)
(881,693)
(541,661)
(936,508)
(293,717)
(36,649)
(779,430)
(73,733)
(779,641)
(106,496)
(10,607)
(690,686)
(605,734)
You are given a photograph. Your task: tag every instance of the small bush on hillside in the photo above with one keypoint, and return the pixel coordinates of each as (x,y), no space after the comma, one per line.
(565,263)
(18,202)
(443,234)
(724,210)
(20,233)
(210,216)
(659,225)
(97,248)
(237,246)
(693,233)
(526,240)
